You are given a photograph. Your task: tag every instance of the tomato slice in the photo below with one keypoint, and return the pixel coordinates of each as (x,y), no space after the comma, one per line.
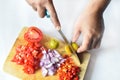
(33,34)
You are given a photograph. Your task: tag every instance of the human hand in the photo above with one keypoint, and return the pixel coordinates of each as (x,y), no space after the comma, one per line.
(91,26)
(41,6)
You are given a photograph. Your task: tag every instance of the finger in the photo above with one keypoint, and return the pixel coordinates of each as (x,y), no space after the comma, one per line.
(41,11)
(53,15)
(34,8)
(32,3)
(76,35)
(90,44)
(95,41)
(85,44)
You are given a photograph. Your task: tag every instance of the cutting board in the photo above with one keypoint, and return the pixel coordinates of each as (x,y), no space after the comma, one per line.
(16,70)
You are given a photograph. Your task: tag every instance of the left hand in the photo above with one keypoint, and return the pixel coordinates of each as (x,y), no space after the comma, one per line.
(91,26)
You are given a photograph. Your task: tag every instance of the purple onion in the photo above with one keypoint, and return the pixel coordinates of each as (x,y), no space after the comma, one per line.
(50,62)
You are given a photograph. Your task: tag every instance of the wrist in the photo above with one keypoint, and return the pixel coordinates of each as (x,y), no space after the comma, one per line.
(97,6)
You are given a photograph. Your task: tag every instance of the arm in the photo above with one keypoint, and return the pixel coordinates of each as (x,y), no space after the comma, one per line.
(91,25)
(98,5)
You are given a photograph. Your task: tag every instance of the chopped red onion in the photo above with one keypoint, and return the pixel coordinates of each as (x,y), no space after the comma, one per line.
(50,62)
(44,71)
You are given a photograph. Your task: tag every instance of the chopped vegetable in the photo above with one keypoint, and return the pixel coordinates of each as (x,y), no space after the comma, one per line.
(68,50)
(68,70)
(33,34)
(75,46)
(50,62)
(33,56)
(53,44)
(29,56)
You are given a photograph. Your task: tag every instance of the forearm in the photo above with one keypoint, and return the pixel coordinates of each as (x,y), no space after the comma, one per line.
(98,5)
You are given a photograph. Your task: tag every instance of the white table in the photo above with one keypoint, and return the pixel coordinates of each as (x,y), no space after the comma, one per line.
(105,61)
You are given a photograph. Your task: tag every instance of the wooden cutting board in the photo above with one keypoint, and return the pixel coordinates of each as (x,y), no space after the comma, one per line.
(16,70)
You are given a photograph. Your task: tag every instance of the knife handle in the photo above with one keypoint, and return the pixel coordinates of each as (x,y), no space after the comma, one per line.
(47,14)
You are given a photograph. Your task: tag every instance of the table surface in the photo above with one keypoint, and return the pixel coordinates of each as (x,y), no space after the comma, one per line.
(104,63)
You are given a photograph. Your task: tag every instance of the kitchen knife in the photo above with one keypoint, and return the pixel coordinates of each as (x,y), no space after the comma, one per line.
(70,46)
(74,54)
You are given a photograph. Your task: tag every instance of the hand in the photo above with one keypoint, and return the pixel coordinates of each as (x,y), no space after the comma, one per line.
(41,6)
(91,26)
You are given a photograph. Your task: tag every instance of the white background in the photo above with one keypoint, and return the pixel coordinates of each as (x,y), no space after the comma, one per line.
(105,61)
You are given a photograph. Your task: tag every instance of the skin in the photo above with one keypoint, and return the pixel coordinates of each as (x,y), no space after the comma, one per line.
(90,23)
(41,5)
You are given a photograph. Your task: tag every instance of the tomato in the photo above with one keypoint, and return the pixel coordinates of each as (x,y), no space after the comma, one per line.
(18,59)
(29,69)
(29,56)
(33,34)
(76,78)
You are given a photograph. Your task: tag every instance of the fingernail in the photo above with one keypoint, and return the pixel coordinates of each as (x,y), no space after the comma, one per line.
(78,51)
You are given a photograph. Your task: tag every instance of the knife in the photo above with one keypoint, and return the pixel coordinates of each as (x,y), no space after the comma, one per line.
(66,41)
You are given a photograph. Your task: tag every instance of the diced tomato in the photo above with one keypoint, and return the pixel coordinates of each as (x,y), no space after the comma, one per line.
(18,59)
(28,56)
(33,34)
(29,69)
(76,78)
(39,56)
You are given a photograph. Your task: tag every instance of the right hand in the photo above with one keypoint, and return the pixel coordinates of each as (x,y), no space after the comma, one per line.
(41,6)
(91,25)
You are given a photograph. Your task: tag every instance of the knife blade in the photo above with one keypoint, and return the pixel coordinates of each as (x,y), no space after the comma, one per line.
(65,39)
(67,42)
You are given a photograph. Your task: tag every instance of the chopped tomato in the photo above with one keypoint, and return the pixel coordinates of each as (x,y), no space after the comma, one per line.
(29,56)
(29,69)
(18,59)
(33,34)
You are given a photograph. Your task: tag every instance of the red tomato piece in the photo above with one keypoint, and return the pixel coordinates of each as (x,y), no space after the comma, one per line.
(33,34)
(29,56)
(29,69)
(76,78)
(18,59)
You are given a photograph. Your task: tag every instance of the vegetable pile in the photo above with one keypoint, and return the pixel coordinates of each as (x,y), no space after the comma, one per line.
(50,62)
(34,56)
(68,70)
(29,56)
